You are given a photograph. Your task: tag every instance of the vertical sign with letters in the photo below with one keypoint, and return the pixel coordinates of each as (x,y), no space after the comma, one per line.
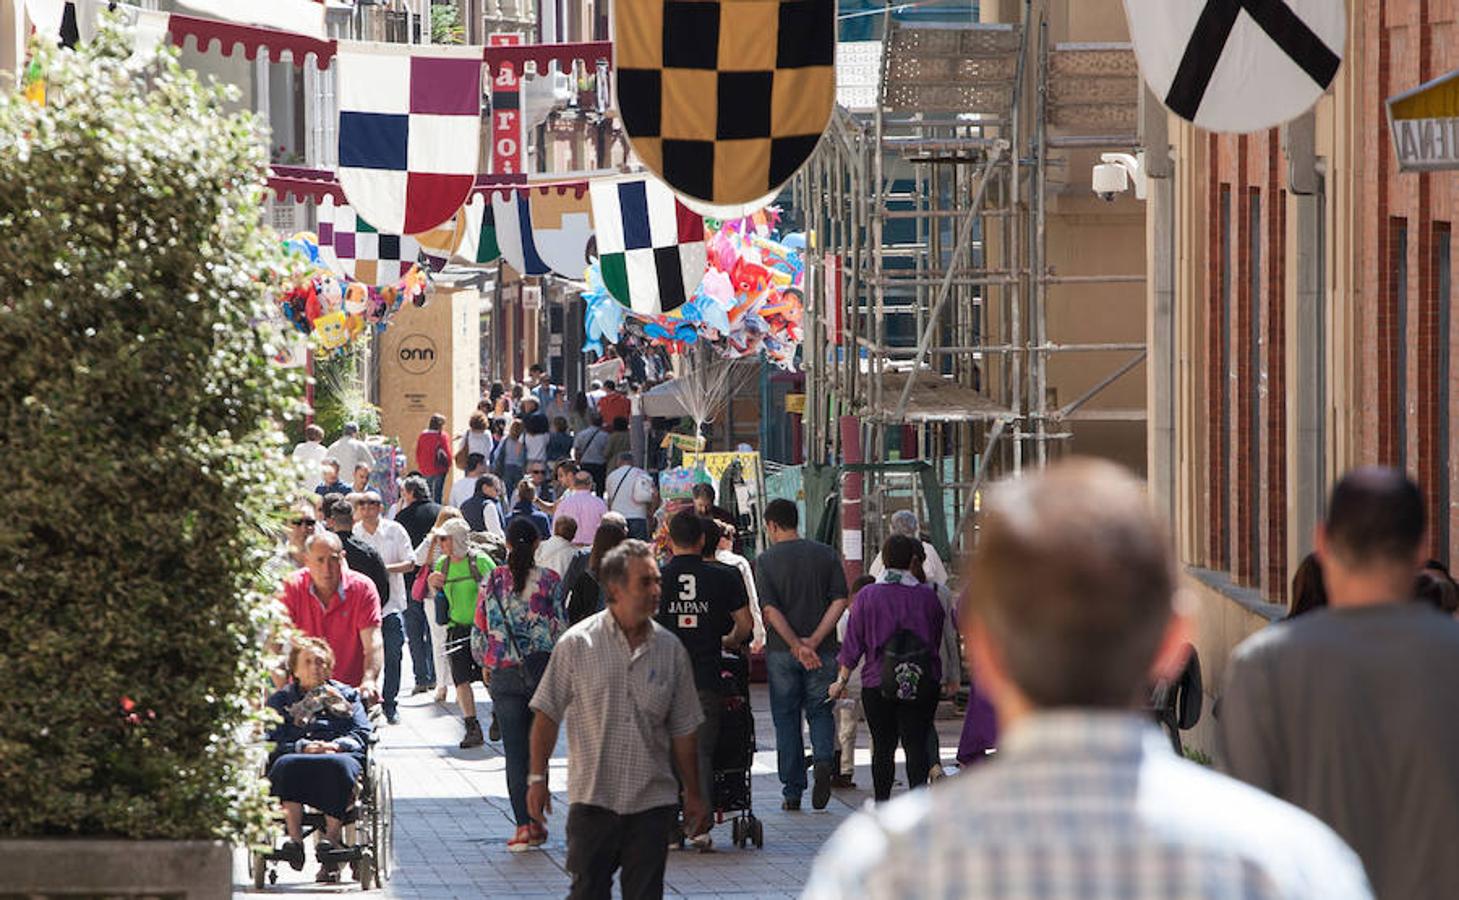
(507,152)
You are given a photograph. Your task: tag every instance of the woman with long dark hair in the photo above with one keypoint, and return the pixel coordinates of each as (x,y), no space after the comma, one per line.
(1308,592)
(580,581)
(519,618)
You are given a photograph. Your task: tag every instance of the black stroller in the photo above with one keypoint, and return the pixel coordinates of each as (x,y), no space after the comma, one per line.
(734,754)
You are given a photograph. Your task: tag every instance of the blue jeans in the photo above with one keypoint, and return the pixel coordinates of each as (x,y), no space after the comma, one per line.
(392,632)
(438,486)
(418,637)
(795,691)
(509,700)
(638,529)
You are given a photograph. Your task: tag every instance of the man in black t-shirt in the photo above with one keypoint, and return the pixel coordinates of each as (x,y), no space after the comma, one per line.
(358,555)
(704,603)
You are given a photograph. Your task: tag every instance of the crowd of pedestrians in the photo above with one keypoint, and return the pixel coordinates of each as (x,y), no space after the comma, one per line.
(536,580)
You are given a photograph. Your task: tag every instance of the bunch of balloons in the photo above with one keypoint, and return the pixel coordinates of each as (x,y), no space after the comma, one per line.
(332,310)
(750,300)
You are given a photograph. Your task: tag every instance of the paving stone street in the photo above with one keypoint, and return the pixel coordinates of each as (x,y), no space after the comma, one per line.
(453,819)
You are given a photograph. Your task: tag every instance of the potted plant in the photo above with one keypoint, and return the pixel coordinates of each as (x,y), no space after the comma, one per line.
(139,416)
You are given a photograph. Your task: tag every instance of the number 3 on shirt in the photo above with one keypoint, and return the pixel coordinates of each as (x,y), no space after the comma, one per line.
(688,587)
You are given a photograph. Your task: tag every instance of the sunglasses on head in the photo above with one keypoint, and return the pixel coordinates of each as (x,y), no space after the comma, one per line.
(307,523)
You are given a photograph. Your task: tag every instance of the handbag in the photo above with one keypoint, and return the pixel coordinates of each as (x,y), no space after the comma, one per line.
(533,664)
(419,587)
(443,458)
(462,453)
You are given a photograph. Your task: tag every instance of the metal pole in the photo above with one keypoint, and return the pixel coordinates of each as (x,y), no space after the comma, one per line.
(1039,250)
(1103,383)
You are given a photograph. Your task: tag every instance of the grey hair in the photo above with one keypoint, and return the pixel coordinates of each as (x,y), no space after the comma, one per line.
(327,538)
(904,521)
(416,486)
(614,567)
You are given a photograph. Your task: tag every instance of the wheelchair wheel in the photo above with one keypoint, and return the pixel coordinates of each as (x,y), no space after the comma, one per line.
(365,871)
(258,868)
(757,833)
(382,831)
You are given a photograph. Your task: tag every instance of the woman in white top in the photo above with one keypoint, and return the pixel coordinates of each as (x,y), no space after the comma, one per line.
(427,552)
(478,438)
(725,554)
(538,433)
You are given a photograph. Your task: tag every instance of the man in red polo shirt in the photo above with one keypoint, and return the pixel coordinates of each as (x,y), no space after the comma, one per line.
(327,600)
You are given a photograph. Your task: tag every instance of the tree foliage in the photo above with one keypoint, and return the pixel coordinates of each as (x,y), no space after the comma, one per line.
(139,419)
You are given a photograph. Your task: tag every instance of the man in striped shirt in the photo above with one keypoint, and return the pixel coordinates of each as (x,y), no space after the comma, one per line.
(1070,611)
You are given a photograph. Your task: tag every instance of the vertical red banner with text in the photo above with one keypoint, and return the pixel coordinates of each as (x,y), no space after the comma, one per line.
(507,152)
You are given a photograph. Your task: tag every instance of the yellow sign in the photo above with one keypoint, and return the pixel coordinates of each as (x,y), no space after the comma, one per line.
(795,403)
(686,442)
(1424,124)
(716,463)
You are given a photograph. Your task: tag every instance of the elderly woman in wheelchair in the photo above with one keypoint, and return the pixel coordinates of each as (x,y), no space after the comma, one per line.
(319,752)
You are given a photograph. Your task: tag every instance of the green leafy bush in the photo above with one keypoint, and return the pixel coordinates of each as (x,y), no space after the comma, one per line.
(139,424)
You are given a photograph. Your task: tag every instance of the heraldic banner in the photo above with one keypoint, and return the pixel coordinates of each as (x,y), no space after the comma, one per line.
(409,132)
(1238,66)
(725,99)
(650,245)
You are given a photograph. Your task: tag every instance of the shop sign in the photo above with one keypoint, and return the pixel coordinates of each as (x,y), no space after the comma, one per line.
(506,110)
(1424,126)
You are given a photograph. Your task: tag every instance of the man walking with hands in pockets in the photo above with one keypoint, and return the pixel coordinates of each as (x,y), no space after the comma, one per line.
(625,685)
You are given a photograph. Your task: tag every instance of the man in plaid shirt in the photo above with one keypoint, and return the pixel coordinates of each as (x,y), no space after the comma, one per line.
(1069,613)
(624,684)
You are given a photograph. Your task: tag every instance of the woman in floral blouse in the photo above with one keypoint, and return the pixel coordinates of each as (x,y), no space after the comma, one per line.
(519,617)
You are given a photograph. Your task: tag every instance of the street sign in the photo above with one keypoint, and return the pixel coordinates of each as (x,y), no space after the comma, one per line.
(507,135)
(1424,123)
(1238,65)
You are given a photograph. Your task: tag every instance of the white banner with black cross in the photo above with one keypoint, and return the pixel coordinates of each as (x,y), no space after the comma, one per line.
(1238,66)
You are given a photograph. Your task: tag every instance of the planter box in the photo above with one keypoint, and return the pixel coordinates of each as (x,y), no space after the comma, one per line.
(195,870)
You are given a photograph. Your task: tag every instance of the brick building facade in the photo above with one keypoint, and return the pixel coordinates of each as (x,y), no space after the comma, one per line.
(1312,313)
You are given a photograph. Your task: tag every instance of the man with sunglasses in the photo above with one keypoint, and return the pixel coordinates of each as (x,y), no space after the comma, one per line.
(391,541)
(537,474)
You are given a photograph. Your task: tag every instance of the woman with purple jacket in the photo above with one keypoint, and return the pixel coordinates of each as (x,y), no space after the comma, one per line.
(896,624)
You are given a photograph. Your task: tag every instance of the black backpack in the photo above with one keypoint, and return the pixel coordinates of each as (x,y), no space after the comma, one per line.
(906,668)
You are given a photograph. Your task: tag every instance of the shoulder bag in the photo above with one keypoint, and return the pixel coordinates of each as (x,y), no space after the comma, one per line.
(533,664)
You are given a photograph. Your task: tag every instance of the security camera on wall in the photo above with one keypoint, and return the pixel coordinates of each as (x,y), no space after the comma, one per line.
(1113,175)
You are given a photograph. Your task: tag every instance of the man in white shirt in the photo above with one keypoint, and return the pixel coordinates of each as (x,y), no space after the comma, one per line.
(392,542)
(1070,612)
(462,488)
(904,521)
(308,454)
(350,450)
(557,551)
(628,491)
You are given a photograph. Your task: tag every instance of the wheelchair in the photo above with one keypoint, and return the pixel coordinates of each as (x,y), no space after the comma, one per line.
(369,844)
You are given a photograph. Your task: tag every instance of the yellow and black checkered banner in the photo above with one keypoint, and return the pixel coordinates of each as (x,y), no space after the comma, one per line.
(725,99)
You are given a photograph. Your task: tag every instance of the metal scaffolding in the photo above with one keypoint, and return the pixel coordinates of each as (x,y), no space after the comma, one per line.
(929,280)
